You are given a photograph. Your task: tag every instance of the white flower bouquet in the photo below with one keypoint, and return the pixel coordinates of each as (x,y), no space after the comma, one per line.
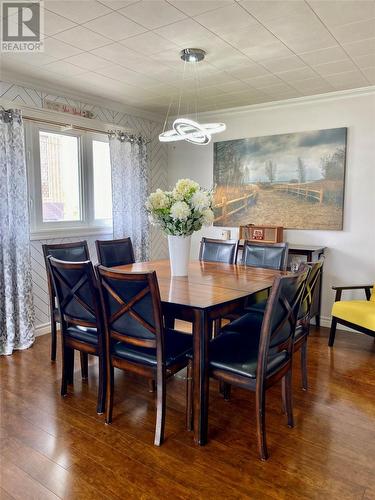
(181,211)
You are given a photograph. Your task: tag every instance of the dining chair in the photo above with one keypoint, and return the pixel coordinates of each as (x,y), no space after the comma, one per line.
(81,319)
(136,338)
(304,313)
(113,253)
(213,250)
(77,251)
(254,352)
(266,255)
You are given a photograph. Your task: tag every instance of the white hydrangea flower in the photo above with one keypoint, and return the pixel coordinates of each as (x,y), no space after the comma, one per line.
(207,217)
(184,187)
(200,200)
(157,200)
(180,210)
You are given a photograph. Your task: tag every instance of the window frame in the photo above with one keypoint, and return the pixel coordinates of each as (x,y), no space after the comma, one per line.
(87,224)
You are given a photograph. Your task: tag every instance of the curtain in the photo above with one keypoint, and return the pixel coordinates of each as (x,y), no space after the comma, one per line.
(16,299)
(129,167)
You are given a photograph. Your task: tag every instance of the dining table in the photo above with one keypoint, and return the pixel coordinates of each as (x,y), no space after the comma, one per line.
(210,291)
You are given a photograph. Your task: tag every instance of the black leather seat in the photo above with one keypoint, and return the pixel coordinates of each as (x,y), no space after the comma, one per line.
(177,346)
(237,352)
(83,334)
(224,251)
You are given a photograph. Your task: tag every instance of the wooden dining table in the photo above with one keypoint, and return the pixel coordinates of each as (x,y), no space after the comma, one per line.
(209,292)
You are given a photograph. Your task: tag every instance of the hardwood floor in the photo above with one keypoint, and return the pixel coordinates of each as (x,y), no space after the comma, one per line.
(53,447)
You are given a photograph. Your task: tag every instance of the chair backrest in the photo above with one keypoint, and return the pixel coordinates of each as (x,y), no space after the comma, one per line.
(280,317)
(78,251)
(115,252)
(77,293)
(315,271)
(132,308)
(224,251)
(267,255)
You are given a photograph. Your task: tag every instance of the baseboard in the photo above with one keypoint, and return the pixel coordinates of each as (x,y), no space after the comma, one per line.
(42,329)
(326,321)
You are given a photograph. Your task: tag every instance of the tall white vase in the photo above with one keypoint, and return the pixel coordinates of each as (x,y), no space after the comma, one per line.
(179,254)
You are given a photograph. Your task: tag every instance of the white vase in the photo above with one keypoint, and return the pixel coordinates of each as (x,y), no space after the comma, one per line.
(179,254)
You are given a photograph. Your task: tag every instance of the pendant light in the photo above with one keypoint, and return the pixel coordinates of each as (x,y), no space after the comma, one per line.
(185,129)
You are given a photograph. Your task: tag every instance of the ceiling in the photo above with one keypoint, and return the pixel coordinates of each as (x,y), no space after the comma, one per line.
(257,50)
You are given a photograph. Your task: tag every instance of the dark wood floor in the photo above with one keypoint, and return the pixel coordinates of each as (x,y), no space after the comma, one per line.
(53,447)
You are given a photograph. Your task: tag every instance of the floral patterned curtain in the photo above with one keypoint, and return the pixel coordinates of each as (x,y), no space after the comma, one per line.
(16,299)
(129,192)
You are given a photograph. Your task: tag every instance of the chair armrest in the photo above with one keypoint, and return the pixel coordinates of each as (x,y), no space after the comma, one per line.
(340,289)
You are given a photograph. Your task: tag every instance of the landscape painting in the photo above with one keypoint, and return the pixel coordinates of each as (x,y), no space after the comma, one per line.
(291,180)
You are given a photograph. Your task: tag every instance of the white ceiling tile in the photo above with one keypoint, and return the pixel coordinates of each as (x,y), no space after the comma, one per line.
(58,49)
(152,13)
(338,12)
(250,71)
(79,11)
(367,61)
(259,82)
(88,61)
(316,84)
(187,31)
(122,55)
(354,32)
(256,35)
(272,50)
(53,23)
(362,48)
(322,56)
(275,10)
(64,68)
(30,58)
(229,60)
(311,41)
(82,38)
(282,64)
(335,67)
(149,43)
(297,74)
(226,19)
(370,74)
(232,87)
(115,26)
(195,7)
(350,79)
(117,4)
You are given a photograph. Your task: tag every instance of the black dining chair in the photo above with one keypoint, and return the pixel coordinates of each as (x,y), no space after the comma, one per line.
(304,314)
(254,352)
(81,319)
(136,338)
(266,255)
(77,251)
(113,253)
(213,250)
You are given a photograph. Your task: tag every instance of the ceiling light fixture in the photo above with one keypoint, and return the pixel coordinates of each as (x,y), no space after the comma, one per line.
(186,129)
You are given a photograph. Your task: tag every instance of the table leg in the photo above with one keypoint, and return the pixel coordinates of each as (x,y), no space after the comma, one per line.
(202,328)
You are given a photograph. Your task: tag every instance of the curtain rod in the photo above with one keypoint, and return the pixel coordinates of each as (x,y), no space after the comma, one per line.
(64,124)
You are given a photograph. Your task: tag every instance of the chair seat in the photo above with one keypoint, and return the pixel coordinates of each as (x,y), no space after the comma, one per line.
(83,334)
(177,346)
(238,353)
(250,323)
(358,312)
(258,307)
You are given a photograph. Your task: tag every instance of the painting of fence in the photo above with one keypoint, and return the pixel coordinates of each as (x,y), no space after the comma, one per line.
(291,180)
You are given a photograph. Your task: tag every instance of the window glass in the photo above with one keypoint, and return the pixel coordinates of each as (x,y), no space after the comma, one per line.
(102,180)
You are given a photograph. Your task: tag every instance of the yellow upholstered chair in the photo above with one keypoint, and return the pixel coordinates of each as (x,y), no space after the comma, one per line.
(356,314)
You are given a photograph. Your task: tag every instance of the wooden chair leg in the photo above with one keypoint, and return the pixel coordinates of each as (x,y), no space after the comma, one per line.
(332,332)
(109,395)
(84,365)
(53,339)
(189,396)
(100,407)
(227,388)
(67,369)
(217,327)
(260,405)
(151,385)
(287,385)
(283,397)
(160,408)
(304,365)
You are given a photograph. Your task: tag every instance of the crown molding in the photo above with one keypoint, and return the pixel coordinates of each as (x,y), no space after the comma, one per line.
(22,80)
(297,101)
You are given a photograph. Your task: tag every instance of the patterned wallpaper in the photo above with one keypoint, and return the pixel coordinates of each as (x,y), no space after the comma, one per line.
(158,178)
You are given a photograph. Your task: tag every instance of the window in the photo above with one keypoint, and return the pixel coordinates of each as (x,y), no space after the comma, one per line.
(69,180)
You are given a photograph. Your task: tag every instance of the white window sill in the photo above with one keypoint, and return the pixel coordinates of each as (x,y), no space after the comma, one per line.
(49,234)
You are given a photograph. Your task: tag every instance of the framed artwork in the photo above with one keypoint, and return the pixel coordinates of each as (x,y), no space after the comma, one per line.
(292,180)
